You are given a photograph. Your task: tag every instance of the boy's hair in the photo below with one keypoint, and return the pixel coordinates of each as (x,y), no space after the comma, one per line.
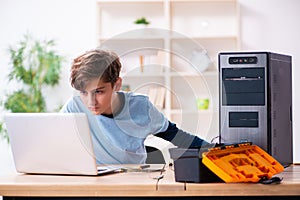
(96,63)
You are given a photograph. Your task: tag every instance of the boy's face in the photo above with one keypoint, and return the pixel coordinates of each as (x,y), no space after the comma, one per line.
(98,96)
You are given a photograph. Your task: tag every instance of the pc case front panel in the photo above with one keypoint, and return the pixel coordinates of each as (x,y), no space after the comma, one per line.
(243,99)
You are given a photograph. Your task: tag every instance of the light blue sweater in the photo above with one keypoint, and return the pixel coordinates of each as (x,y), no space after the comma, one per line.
(120,140)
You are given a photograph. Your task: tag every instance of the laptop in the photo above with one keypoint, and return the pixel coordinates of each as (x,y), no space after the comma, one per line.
(53,143)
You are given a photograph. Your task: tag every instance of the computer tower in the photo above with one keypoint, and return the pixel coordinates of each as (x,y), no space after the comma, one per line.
(256,101)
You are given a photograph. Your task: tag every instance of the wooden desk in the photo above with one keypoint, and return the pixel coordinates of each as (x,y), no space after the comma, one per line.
(139,184)
(119,184)
(290,186)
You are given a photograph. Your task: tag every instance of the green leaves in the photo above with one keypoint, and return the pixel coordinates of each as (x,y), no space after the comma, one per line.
(142,20)
(34,64)
(20,101)
(3,132)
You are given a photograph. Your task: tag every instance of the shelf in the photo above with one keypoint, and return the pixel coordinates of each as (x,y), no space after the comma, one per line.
(130,1)
(143,75)
(166,51)
(126,47)
(138,33)
(179,111)
(194,74)
(158,72)
(128,11)
(189,1)
(147,33)
(207,37)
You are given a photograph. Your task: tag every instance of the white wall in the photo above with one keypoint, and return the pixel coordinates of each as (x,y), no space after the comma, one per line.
(266,25)
(72,25)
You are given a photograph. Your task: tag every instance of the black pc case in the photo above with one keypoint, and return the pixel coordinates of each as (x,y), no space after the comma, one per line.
(256,101)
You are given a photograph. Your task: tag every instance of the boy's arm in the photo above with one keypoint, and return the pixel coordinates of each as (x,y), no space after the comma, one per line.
(181,138)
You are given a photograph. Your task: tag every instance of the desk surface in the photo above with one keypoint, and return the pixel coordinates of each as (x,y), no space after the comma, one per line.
(140,184)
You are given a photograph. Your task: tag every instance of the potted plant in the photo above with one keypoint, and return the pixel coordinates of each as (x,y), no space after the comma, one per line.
(142,21)
(34,64)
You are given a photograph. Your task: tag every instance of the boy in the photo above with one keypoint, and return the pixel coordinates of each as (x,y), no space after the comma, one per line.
(119,121)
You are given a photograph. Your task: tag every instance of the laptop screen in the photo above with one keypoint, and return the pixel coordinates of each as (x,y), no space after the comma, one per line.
(51,143)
